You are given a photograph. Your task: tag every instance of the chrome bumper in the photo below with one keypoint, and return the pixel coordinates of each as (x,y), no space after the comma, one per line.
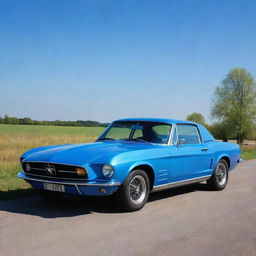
(23,175)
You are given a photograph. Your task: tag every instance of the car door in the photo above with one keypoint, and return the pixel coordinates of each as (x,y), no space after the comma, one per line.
(190,158)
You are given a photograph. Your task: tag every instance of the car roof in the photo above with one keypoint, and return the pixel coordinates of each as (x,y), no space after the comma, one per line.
(205,134)
(160,120)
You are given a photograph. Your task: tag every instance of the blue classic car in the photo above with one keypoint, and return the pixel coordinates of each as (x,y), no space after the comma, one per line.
(132,158)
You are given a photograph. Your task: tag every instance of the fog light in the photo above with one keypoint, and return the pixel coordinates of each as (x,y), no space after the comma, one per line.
(80,171)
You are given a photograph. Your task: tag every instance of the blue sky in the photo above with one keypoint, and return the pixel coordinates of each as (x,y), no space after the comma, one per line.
(109,59)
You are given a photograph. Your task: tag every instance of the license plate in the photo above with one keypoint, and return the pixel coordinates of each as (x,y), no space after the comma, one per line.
(54,187)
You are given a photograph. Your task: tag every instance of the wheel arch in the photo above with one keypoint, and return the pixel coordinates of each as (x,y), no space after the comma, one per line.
(226,158)
(148,169)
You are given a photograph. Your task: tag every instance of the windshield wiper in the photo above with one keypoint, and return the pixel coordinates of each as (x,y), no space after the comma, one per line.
(136,139)
(104,139)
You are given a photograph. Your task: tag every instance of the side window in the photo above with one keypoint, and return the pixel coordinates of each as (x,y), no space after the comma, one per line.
(161,129)
(137,134)
(162,132)
(188,133)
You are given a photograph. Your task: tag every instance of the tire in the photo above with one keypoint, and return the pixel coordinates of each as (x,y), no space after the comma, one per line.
(134,192)
(219,178)
(49,195)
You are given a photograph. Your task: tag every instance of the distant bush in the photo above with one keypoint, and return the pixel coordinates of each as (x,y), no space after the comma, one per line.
(28,121)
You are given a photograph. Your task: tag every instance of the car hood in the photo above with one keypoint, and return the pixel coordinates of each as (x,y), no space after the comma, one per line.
(81,154)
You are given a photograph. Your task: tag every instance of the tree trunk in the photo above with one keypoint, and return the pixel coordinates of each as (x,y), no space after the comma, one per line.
(239,139)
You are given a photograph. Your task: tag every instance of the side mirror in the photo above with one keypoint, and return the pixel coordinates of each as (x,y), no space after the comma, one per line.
(181,142)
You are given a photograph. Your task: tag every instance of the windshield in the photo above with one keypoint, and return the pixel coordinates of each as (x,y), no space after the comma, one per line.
(150,132)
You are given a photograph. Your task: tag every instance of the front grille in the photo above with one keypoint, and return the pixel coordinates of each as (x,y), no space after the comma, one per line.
(53,170)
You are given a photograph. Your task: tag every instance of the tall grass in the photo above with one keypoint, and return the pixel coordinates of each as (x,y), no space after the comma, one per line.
(16,139)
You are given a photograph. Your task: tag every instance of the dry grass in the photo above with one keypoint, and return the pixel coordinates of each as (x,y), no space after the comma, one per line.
(248,149)
(248,152)
(16,139)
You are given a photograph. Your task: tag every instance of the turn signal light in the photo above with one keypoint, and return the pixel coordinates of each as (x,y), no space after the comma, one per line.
(80,171)
(102,190)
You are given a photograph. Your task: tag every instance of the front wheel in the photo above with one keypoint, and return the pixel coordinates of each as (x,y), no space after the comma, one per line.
(134,192)
(219,178)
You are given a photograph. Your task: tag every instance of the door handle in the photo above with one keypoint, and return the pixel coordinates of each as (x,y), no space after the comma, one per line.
(204,149)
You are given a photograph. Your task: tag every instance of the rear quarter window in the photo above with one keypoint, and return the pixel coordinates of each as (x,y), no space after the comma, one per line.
(189,133)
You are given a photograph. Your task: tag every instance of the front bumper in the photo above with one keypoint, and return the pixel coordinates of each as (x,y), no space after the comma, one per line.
(89,188)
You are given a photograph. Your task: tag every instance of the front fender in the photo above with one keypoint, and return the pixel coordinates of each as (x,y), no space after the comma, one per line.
(134,165)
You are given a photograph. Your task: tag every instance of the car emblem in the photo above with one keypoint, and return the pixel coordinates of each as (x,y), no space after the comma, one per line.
(50,169)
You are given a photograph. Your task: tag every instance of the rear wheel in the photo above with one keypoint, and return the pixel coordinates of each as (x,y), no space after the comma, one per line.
(134,192)
(219,178)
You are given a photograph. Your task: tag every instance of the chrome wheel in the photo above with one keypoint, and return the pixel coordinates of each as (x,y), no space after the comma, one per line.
(221,173)
(137,189)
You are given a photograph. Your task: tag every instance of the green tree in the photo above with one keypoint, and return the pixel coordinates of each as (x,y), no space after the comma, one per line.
(221,131)
(28,120)
(196,117)
(235,103)
(10,120)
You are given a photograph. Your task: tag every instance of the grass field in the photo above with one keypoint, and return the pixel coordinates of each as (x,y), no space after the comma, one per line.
(248,152)
(16,139)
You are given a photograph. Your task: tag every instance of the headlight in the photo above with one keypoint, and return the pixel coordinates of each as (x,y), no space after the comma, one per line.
(107,170)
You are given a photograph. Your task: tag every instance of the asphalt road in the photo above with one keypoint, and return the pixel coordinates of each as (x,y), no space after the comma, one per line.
(185,221)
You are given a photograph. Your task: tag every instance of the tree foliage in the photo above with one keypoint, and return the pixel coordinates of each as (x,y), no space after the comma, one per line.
(196,117)
(28,121)
(234,104)
(220,131)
